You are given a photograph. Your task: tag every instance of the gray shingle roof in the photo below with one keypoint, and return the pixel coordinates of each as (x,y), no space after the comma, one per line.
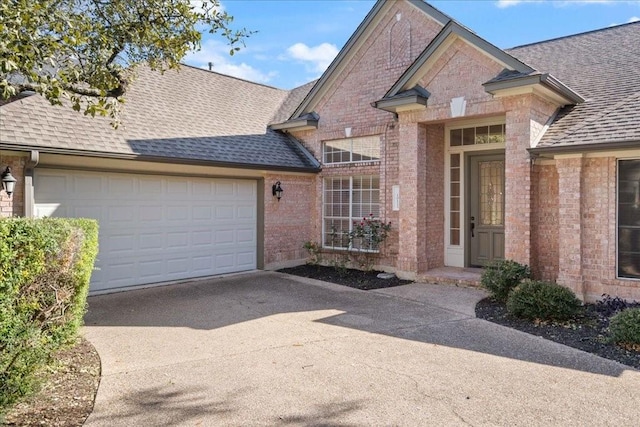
(604,67)
(190,114)
(291,102)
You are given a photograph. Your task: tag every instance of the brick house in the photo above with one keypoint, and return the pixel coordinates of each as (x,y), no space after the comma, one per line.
(472,152)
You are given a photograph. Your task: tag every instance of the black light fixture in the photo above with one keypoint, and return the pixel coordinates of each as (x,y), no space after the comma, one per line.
(276,190)
(8,181)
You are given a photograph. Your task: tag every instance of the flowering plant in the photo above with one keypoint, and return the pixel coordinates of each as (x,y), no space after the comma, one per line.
(369,233)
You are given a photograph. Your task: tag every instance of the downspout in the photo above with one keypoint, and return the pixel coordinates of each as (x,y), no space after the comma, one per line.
(29,199)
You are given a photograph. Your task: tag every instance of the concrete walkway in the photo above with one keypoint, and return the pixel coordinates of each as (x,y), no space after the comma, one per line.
(270,349)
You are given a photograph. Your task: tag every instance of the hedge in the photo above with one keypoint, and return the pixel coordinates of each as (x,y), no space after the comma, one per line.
(534,299)
(501,276)
(45,269)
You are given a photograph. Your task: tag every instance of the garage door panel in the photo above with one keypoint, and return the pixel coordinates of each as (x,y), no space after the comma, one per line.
(121,272)
(87,184)
(177,187)
(117,185)
(151,271)
(151,213)
(121,213)
(151,240)
(155,228)
(177,213)
(224,188)
(202,264)
(224,212)
(224,237)
(177,240)
(246,236)
(246,191)
(178,266)
(202,213)
(202,238)
(150,185)
(246,258)
(87,212)
(53,184)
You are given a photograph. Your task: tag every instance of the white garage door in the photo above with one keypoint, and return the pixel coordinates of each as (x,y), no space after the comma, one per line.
(156,228)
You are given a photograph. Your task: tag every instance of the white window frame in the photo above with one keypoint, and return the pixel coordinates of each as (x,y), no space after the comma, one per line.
(351,218)
(372,140)
(454,255)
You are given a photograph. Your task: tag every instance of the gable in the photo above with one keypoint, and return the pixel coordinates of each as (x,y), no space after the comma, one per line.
(405,25)
(450,34)
(458,71)
(451,47)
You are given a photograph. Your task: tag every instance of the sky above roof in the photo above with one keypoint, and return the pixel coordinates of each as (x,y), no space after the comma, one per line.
(296,40)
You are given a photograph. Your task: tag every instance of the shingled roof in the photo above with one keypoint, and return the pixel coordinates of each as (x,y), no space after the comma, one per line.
(604,67)
(191,115)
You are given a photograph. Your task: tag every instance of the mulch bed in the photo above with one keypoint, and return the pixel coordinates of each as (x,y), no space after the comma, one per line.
(364,280)
(588,332)
(67,393)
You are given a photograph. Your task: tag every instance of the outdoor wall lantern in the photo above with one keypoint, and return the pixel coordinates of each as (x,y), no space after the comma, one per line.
(277,190)
(8,181)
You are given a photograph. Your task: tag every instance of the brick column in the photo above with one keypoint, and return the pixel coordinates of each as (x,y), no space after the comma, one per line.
(570,223)
(518,171)
(413,203)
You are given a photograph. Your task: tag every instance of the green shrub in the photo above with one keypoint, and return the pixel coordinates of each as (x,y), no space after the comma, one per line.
(534,299)
(500,277)
(625,326)
(45,268)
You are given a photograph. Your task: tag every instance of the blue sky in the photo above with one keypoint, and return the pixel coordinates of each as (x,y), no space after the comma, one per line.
(297,39)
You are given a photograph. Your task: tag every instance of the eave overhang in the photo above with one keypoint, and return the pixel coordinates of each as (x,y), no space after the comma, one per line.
(542,84)
(550,151)
(410,100)
(306,122)
(162,159)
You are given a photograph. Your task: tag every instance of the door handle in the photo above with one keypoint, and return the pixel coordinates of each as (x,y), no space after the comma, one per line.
(473,225)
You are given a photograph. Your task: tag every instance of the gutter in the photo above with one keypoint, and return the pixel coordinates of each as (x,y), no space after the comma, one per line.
(160,159)
(581,148)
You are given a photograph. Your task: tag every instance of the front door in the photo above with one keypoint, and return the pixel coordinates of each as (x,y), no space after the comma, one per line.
(486,208)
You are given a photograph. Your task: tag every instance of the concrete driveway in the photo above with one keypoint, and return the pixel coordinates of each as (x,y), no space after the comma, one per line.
(270,349)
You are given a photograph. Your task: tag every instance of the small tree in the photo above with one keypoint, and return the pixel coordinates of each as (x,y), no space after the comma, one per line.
(83,50)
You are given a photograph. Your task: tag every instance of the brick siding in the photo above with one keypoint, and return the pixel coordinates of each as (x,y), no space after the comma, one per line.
(14,205)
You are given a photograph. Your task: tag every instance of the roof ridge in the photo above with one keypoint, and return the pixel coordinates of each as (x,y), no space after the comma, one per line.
(182,64)
(612,27)
(594,118)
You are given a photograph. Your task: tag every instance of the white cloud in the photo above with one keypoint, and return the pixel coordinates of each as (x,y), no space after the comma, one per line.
(633,19)
(508,3)
(318,57)
(218,53)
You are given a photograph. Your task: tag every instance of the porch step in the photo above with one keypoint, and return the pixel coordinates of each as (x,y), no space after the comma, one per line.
(452,276)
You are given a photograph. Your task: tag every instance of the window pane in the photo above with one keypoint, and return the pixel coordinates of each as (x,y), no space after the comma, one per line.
(347,200)
(491,192)
(468,136)
(482,135)
(629,218)
(455,160)
(454,237)
(364,149)
(455,138)
(496,133)
(455,189)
